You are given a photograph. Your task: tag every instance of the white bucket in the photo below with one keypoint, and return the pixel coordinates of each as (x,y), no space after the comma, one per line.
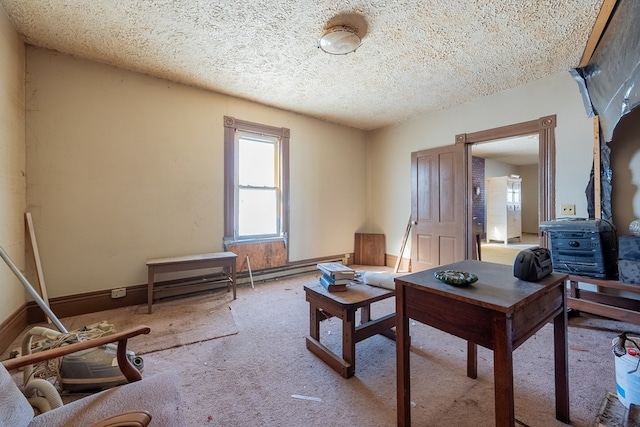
(628,384)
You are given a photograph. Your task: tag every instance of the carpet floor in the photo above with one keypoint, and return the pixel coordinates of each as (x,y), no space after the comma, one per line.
(261,374)
(174,323)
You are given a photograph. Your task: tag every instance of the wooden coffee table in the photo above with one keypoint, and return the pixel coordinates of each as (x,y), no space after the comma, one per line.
(324,304)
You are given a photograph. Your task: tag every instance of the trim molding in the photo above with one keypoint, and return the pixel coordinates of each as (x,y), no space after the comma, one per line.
(13,326)
(545,128)
(231,126)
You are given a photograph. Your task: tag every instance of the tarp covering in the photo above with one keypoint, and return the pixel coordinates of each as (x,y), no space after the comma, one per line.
(612,77)
(610,87)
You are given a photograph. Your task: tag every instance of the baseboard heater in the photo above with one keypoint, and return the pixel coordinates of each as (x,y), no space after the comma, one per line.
(289,270)
(192,285)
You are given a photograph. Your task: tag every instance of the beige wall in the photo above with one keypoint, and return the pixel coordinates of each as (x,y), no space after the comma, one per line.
(494,168)
(12,165)
(390,148)
(123,167)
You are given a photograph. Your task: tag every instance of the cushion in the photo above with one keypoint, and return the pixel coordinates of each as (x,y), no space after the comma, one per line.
(14,407)
(158,394)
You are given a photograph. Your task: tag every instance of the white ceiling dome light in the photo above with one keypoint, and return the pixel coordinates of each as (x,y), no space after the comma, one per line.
(339,40)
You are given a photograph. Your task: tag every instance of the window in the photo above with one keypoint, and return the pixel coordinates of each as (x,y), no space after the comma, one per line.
(257,186)
(256,181)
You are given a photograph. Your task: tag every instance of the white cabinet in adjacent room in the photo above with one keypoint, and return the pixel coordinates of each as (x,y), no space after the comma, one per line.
(504,208)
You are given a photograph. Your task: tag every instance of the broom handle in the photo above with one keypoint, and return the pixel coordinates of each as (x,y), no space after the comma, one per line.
(32,291)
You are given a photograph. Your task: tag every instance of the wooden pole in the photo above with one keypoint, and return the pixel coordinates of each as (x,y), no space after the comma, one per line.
(36,259)
(402,246)
(250,273)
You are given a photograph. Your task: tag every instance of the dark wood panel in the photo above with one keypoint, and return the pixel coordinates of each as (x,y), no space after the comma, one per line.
(437,206)
(612,300)
(425,171)
(612,306)
(533,316)
(616,313)
(369,249)
(424,252)
(455,317)
(447,253)
(447,188)
(614,284)
(511,294)
(261,255)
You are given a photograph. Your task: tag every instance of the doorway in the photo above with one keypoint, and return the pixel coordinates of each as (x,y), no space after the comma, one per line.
(544,128)
(505,196)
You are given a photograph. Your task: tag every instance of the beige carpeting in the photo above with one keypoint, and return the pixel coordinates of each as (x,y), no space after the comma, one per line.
(174,323)
(264,376)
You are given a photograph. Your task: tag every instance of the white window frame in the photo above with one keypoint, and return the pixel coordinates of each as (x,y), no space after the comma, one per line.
(235,128)
(276,187)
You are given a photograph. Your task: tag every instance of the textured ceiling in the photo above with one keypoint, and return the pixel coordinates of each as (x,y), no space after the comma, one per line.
(416,56)
(519,151)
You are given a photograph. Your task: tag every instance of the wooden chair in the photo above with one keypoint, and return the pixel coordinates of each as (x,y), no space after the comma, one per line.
(133,404)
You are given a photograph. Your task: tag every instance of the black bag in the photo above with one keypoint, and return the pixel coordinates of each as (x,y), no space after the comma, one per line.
(533,264)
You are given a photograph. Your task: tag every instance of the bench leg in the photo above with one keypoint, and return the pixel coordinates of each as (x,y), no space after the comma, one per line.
(349,342)
(151,276)
(314,322)
(365,314)
(344,366)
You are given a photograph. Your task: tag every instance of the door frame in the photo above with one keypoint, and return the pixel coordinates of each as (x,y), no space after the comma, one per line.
(545,128)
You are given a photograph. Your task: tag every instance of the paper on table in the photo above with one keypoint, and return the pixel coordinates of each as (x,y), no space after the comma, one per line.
(380,280)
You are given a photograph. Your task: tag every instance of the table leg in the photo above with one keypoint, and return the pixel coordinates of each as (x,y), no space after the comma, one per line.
(472,360)
(403,386)
(503,371)
(561,361)
(349,341)
(150,278)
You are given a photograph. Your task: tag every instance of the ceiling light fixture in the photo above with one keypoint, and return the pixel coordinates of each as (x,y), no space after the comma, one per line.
(339,40)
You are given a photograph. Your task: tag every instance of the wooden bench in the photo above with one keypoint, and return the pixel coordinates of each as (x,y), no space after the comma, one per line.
(224,260)
(324,304)
(603,304)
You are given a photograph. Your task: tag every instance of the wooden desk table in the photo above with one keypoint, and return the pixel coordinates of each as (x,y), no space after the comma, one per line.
(324,304)
(226,260)
(498,312)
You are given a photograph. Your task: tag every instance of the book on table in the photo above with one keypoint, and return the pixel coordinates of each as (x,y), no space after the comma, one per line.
(333,285)
(336,270)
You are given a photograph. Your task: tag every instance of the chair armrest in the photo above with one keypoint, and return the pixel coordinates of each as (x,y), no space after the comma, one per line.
(128,370)
(127,419)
